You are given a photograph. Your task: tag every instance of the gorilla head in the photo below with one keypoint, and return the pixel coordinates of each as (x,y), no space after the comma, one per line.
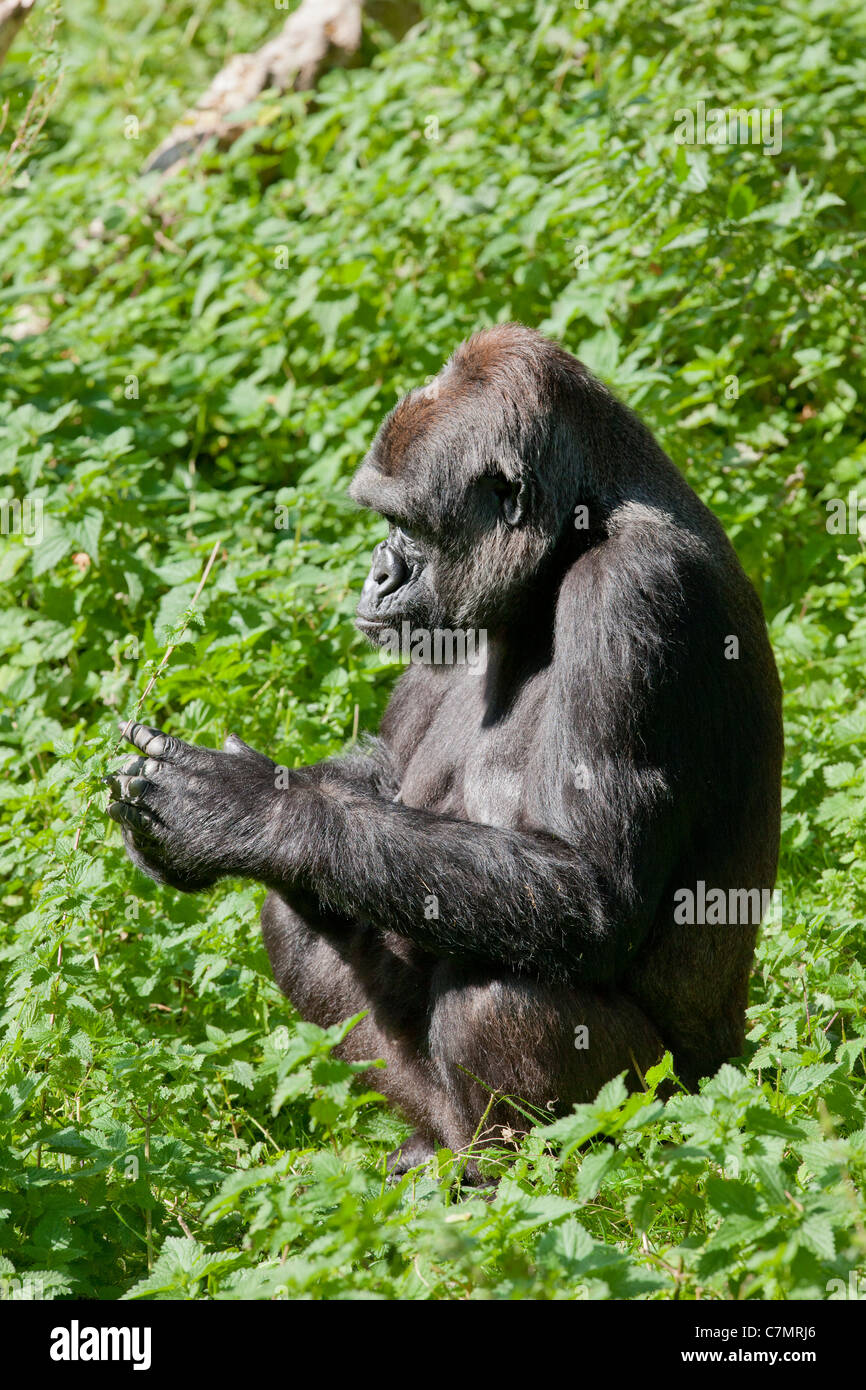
(476,475)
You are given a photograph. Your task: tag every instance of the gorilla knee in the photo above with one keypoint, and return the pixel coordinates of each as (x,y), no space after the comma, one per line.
(546,1046)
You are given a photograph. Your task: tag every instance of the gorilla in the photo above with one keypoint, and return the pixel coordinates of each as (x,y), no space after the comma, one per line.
(502,878)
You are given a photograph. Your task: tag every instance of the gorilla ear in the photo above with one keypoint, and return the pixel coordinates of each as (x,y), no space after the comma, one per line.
(515,502)
(511,494)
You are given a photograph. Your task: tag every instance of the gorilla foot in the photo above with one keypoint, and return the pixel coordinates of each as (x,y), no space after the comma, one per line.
(417,1149)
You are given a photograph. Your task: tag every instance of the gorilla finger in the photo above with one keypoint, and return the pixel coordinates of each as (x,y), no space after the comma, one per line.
(156,744)
(133,817)
(115,779)
(141,735)
(124,786)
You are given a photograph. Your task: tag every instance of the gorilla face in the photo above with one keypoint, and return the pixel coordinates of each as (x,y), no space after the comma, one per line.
(467,575)
(469,521)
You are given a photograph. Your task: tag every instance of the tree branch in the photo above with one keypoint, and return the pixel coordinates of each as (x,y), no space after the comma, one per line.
(12,15)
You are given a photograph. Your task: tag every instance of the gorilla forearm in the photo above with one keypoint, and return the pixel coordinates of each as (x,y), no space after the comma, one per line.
(370,768)
(453,887)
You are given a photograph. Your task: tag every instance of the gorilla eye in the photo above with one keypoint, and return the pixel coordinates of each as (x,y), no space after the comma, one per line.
(405,534)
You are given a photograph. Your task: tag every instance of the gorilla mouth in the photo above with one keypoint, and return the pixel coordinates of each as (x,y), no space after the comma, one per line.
(374,629)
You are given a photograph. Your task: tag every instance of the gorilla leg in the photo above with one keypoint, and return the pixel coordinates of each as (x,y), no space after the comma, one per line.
(514,1037)
(454,1038)
(330,969)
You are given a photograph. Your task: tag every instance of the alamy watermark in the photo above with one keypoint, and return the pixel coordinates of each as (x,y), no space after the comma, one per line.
(438,646)
(715,125)
(22,517)
(736,907)
(77,1343)
(24,1288)
(846,516)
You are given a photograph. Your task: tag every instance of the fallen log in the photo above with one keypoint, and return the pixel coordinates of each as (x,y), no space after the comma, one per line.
(320,35)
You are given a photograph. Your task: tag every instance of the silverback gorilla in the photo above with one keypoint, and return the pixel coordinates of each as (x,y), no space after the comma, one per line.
(504,866)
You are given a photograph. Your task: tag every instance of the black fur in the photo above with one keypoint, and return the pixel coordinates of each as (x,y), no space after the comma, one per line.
(499,867)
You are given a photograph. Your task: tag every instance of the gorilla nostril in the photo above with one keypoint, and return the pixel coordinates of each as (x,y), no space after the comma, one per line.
(389,572)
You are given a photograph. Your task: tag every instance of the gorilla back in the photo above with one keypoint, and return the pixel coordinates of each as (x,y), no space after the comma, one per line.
(550,870)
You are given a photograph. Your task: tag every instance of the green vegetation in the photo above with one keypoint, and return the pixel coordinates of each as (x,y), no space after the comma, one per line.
(204,360)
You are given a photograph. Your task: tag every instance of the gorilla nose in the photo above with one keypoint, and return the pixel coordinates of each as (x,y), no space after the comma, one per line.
(389,570)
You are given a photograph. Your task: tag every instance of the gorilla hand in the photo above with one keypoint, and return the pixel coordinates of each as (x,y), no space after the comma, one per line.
(192,815)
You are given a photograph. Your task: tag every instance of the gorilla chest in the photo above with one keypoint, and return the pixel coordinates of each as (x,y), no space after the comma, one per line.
(465,767)
(493,784)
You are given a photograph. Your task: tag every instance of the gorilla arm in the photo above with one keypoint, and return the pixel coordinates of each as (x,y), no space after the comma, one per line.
(477,893)
(524,900)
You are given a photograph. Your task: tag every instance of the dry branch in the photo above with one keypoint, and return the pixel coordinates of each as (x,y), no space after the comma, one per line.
(321,34)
